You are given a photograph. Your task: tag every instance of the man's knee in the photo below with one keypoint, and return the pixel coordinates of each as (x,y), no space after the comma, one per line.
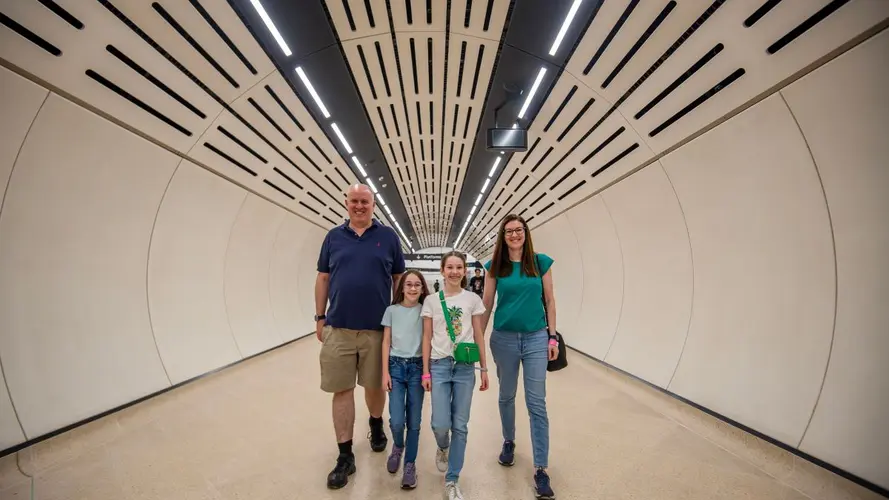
(344,395)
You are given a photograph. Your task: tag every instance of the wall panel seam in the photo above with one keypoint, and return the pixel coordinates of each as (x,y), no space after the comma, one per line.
(691,251)
(836,284)
(160,205)
(231,233)
(623,272)
(5,196)
(269,277)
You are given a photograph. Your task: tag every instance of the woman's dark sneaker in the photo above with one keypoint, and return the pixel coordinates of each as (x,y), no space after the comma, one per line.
(541,486)
(394,460)
(409,481)
(507,454)
(378,439)
(339,476)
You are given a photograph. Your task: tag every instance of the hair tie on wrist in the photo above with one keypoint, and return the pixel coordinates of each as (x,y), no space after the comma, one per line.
(427,376)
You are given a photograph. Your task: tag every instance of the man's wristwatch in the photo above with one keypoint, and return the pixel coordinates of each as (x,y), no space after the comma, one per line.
(319,317)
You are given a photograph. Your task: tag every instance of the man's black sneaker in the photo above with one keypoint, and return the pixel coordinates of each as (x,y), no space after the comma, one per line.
(541,486)
(507,454)
(377,436)
(339,476)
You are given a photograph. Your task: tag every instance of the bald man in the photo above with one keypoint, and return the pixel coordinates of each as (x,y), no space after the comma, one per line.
(360,263)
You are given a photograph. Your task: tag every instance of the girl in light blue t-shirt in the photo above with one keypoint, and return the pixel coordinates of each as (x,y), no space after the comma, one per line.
(402,372)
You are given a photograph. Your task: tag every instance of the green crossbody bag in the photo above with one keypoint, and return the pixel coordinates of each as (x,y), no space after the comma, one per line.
(464,352)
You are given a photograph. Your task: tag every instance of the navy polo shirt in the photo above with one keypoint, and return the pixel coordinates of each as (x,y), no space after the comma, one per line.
(361,269)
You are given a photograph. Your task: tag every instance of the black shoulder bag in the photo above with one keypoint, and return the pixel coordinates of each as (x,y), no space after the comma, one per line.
(562,360)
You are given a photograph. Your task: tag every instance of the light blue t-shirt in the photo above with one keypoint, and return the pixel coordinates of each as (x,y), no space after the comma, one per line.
(407,330)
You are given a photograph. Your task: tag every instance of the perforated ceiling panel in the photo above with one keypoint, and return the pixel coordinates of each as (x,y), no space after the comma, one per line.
(190,76)
(647,76)
(424,88)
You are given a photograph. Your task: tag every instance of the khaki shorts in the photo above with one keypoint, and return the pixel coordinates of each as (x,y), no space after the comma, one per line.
(347,353)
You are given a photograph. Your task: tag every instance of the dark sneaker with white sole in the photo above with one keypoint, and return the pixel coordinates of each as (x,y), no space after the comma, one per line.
(542,488)
(377,436)
(507,454)
(339,476)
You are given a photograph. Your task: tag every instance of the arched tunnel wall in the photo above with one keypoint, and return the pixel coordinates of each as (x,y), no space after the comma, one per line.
(746,270)
(125,269)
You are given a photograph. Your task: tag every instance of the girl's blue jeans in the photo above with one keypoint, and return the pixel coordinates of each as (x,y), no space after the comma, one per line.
(452,386)
(406,403)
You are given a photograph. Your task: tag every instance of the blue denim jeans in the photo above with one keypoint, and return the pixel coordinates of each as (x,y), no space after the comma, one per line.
(406,403)
(510,349)
(452,386)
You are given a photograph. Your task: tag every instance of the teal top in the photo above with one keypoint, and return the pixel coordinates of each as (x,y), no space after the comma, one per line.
(407,330)
(520,299)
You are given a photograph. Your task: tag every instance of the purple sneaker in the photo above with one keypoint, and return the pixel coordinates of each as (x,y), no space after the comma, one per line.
(409,481)
(394,460)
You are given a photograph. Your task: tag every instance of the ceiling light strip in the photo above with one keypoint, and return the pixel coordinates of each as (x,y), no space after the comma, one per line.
(358,164)
(342,138)
(533,91)
(315,96)
(565,24)
(271,27)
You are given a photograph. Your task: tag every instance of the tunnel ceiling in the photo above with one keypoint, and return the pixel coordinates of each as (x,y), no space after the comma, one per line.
(409,88)
(414,85)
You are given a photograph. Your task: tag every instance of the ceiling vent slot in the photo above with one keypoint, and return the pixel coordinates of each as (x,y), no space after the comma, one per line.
(29,35)
(276,188)
(616,159)
(135,100)
(602,146)
(611,35)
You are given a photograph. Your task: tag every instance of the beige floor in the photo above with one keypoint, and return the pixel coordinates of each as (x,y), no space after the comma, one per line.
(262,430)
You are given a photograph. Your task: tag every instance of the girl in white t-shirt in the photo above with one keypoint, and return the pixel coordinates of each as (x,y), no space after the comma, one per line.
(449,357)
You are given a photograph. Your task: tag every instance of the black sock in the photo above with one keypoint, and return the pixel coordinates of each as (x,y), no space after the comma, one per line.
(345,448)
(376,422)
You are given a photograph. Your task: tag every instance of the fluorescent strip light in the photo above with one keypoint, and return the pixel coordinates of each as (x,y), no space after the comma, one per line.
(371,184)
(380,197)
(358,164)
(471,211)
(386,207)
(487,181)
(271,27)
(478,200)
(564,29)
(308,84)
(336,130)
(494,167)
(532,92)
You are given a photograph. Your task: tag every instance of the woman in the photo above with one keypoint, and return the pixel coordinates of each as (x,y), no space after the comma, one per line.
(524,334)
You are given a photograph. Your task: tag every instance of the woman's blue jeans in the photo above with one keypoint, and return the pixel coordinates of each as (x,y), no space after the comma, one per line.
(531,351)
(406,403)
(452,386)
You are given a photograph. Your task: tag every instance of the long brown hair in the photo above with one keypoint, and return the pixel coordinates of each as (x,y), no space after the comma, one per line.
(501,266)
(460,255)
(399,292)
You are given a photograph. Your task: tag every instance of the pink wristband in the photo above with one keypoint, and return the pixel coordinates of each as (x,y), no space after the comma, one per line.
(553,342)
(427,376)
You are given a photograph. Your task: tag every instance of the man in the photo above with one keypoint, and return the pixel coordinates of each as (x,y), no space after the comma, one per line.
(477,283)
(359,266)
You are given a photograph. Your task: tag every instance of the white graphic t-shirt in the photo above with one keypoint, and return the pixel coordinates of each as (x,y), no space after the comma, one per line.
(462,308)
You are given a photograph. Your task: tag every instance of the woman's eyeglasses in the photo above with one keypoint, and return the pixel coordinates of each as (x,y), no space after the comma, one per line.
(413,285)
(517,231)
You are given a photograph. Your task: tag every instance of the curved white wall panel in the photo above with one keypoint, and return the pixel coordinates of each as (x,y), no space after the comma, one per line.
(657,275)
(557,239)
(247,265)
(843,111)
(284,278)
(308,271)
(74,324)
(764,278)
(186,270)
(20,100)
(603,278)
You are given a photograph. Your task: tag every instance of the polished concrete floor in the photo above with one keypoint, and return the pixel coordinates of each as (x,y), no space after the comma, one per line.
(262,430)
